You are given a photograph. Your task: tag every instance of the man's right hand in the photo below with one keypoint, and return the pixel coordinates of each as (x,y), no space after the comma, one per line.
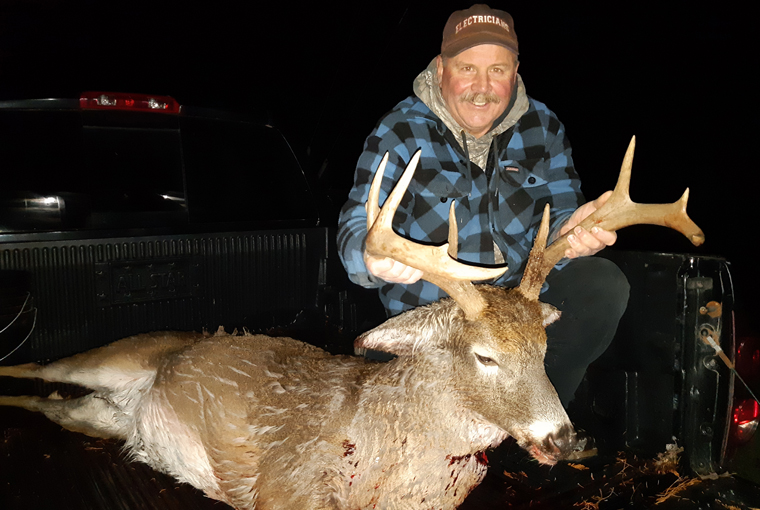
(390,270)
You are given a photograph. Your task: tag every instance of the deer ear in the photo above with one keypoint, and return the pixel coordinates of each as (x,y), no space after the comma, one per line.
(391,341)
(403,334)
(549,314)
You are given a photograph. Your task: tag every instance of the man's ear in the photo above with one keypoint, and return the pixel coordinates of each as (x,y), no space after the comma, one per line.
(514,76)
(439,66)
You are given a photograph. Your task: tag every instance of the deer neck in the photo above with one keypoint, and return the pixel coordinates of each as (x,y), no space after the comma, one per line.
(409,393)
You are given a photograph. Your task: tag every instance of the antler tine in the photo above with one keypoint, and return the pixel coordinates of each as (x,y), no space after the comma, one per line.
(620,211)
(453,233)
(372,207)
(385,218)
(533,276)
(437,266)
(623,185)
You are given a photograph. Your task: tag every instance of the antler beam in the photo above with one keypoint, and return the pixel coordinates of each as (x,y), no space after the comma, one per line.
(436,262)
(620,211)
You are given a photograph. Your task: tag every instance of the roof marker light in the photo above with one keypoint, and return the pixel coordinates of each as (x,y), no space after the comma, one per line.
(124,101)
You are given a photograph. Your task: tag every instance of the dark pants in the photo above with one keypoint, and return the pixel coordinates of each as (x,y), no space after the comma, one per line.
(592,294)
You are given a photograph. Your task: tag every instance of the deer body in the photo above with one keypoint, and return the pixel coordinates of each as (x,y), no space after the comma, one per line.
(263,422)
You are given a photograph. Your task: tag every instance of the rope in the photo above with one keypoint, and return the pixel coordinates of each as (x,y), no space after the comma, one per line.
(34,323)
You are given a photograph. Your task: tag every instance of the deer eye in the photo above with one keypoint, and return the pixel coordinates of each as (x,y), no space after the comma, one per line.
(485,361)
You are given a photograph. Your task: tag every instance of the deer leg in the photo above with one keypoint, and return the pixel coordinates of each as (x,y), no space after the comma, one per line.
(25,371)
(128,362)
(94,372)
(91,414)
(119,374)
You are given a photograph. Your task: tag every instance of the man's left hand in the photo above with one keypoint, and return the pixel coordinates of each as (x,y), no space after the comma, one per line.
(583,242)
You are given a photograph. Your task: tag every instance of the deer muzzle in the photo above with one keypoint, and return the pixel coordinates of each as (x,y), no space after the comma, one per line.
(556,446)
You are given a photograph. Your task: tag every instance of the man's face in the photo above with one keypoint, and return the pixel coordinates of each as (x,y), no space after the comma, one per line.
(477,85)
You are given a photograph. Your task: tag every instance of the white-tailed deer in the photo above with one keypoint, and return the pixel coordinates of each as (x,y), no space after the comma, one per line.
(273,423)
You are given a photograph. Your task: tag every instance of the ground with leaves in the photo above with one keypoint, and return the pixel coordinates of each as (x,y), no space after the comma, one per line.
(606,482)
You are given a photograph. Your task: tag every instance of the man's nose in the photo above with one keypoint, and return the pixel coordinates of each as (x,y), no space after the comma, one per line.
(481,83)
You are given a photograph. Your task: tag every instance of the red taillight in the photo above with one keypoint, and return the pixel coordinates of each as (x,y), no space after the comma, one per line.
(746,411)
(746,418)
(122,101)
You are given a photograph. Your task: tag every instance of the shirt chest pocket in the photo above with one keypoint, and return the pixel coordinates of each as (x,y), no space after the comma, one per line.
(526,173)
(522,183)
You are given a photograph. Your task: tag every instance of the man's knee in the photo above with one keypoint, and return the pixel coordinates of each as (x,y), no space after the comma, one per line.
(593,282)
(592,294)
(609,283)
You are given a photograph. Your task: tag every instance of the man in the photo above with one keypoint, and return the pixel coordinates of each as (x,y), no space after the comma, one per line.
(501,156)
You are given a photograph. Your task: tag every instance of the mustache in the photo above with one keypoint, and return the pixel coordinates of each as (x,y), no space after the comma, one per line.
(479,97)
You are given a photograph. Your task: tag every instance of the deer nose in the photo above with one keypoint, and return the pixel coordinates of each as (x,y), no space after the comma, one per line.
(563,442)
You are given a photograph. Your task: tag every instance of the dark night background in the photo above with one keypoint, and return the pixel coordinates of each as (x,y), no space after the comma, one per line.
(675,75)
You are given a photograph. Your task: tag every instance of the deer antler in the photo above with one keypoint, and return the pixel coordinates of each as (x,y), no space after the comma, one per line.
(618,212)
(437,263)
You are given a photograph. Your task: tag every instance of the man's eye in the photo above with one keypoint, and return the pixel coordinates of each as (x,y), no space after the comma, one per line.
(486,361)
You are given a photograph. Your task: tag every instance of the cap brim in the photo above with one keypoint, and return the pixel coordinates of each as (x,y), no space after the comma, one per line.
(465,43)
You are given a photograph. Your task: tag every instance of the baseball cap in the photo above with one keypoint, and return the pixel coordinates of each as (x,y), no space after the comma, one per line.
(478,25)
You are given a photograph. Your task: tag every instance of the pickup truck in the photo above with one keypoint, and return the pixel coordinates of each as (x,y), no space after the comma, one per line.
(126,213)
(115,221)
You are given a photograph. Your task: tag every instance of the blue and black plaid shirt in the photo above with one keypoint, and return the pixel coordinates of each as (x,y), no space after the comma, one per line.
(529,165)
